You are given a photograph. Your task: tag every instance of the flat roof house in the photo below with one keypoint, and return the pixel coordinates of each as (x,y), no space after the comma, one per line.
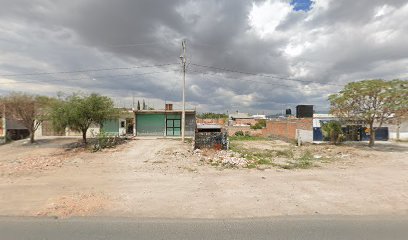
(165,122)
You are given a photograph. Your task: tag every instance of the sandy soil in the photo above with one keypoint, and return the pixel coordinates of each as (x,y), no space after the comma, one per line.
(163,178)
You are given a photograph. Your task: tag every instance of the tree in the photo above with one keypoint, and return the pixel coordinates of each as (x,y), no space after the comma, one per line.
(210,115)
(30,110)
(398,103)
(368,102)
(332,131)
(138,105)
(261,123)
(78,112)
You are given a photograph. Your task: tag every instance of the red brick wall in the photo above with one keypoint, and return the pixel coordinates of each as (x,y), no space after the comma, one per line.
(253,132)
(286,128)
(243,121)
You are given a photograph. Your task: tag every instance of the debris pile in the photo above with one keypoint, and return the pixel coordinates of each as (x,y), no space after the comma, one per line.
(223,158)
(35,163)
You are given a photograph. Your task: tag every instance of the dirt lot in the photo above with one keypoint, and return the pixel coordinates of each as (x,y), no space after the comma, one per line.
(165,178)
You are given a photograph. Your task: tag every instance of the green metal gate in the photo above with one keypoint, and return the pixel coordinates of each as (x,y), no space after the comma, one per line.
(150,124)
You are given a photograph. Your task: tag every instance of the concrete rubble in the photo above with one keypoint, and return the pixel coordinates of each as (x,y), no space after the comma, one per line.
(225,158)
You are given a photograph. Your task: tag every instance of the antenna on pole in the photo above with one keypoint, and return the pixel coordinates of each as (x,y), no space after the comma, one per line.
(183,63)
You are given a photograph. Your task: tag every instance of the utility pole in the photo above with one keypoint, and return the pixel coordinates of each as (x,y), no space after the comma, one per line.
(4,122)
(133,101)
(183,114)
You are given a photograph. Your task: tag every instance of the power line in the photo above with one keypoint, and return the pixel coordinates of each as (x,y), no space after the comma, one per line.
(248,80)
(86,70)
(262,75)
(90,77)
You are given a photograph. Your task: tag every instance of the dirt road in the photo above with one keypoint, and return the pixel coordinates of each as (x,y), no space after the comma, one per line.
(162,178)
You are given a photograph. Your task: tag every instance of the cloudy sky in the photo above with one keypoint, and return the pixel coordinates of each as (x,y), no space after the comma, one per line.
(252,56)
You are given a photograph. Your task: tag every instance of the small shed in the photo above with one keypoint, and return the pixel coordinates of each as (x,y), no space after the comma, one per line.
(209,128)
(211,136)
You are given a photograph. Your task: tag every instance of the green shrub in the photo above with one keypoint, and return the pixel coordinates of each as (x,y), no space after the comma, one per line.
(239,133)
(259,125)
(332,131)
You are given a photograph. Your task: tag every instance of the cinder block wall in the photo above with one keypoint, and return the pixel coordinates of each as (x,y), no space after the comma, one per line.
(286,128)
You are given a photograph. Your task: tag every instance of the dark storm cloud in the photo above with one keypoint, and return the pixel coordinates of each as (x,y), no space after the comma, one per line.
(337,42)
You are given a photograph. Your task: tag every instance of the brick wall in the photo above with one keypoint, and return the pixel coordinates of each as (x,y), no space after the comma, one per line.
(286,128)
(252,132)
(243,121)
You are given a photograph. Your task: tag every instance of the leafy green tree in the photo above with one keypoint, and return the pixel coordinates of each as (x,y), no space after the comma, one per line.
(369,102)
(398,102)
(261,123)
(332,131)
(79,112)
(210,115)
(30,110)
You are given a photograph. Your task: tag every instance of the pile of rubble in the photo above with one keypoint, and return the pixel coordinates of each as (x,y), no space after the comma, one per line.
(223,158)
(34,164)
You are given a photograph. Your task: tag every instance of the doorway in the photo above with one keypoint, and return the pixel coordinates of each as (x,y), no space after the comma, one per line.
(173,127)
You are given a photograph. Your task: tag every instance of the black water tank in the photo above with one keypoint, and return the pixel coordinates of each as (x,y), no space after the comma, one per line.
(304,111)
(288,112)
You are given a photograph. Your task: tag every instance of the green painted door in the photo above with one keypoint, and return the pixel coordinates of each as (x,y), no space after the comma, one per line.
(150,124)
(173,127)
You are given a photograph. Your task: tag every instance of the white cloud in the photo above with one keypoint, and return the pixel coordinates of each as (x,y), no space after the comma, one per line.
(265,17)
(334,43)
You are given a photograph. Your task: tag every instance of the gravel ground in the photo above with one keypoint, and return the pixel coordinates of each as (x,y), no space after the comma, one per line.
(165,178)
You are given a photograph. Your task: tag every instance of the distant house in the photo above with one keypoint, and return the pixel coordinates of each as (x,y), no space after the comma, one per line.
(241,119)
(352,132)
(259,116)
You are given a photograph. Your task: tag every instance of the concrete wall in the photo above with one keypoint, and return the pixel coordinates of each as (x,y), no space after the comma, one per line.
(304,135)
(403,130)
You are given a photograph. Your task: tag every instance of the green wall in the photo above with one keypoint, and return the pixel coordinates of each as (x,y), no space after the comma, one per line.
(111,126)
(150,124)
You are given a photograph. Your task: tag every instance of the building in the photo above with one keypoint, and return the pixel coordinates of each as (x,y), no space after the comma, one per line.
(124,125)
(352,132)
(259,116)
(241,119)
(163,122)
